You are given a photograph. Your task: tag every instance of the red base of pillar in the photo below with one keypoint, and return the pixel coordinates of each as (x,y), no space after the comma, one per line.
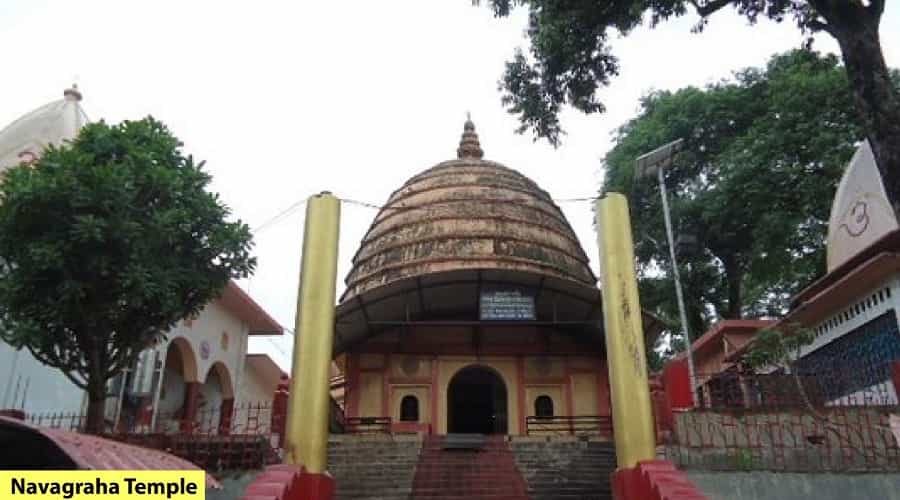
(315,487)
(289,482)
(625,485)
(653,480)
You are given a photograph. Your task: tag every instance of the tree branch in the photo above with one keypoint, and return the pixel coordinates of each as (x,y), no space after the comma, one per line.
(78,383)
(708,8)
(821,26)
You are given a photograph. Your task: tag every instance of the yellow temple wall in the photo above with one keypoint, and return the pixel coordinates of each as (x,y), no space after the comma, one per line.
(377,382)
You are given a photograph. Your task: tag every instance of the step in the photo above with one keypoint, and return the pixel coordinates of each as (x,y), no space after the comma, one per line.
(566,469)
(373,467)
(472,467)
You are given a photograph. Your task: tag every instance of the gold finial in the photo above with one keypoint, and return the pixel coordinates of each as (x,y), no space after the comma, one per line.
(469,147)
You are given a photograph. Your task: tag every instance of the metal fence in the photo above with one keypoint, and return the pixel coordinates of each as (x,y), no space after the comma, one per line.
(246,418)
(836,439)
(245,437)
(731,390)
(67,421)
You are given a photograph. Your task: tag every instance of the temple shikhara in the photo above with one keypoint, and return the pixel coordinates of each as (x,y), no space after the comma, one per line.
(470,307)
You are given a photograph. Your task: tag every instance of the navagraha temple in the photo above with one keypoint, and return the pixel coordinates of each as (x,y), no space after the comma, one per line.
(472,320)
(470,306)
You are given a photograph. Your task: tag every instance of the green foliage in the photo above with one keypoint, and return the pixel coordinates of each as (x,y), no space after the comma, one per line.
(570,57)
(106,243)
(776,348)
(763,154)
(742,459)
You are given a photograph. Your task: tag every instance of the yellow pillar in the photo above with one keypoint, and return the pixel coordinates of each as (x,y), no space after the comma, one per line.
(306,435)
(632,414)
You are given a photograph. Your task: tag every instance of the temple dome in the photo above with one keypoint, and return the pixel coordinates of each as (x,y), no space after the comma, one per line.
(465,214)
(460,230)
(53,123)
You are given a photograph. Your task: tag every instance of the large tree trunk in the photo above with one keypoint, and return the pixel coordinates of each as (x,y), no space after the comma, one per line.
(877,100)
(96,389)
(96,410)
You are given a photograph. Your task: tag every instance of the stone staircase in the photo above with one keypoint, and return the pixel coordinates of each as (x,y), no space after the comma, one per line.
(459,470)
(377,467)
(412,468)
(565,468)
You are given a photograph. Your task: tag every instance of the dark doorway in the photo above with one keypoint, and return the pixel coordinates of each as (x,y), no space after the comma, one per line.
(476,402)
(409,409)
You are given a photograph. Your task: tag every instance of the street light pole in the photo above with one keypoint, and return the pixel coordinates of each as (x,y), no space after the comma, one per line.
(658,159)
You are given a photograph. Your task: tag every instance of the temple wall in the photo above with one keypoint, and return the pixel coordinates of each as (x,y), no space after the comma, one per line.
(381,372)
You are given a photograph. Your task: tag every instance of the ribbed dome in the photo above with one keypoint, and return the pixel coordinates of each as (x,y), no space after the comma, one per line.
(467,213)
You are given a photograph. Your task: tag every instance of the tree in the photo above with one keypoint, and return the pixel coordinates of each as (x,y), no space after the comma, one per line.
(570,58)
(107,242)
(753,186)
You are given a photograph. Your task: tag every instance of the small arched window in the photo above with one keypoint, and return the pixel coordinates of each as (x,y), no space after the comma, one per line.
(409,409)
(543,406)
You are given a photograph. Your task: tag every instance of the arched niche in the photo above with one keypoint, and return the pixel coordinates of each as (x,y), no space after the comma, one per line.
(182,356)
(219,371)
(180,369)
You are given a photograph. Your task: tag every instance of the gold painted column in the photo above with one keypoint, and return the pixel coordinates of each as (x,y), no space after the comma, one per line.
(306,436)
(631,410)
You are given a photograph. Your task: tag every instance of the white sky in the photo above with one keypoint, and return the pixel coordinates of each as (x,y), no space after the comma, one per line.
(285,99)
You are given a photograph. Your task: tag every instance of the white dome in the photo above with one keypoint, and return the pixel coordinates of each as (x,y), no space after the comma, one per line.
(53,123)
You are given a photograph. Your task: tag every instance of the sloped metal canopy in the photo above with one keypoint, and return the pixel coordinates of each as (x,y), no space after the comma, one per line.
(44,448)
(451,297)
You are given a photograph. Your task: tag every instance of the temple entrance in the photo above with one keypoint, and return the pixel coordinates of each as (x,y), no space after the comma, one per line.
(476,402)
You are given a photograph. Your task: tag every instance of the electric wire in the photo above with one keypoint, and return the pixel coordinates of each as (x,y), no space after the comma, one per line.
(414,207)
(350,201)
(279,348)
(279,216)
(299,203)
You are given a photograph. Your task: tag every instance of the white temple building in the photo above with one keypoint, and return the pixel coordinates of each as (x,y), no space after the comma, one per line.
(852,311)
(53,123)
(198,367)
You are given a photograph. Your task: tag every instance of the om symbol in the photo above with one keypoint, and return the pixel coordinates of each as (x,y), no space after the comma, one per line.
(859,220)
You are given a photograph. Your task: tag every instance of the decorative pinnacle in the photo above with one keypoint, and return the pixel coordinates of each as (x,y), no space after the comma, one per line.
(72,93)
(469,147)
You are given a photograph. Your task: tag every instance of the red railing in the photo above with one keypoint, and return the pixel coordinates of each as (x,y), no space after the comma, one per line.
(367,425)
(569,425)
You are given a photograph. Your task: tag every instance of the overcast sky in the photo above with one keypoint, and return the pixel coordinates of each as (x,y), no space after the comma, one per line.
(285,99)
